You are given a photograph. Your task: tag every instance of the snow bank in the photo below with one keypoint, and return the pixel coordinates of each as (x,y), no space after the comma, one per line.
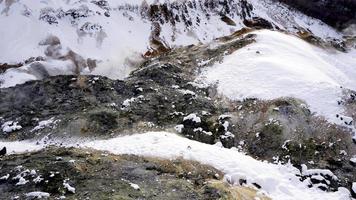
(21,146)
(281,65)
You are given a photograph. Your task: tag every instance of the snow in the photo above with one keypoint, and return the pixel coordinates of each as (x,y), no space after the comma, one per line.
(117,49)
(286,67)
(22,181)
(33,172)
(127,102)
(354,187)
(13,76)
(43,124)
(200,129)
(68,187)
(134,186)
(277,181)
(21,146)
(7,176)
(227,135)
(192,117)
(353,159)
(179,128)
(187,92)
(10,126)
(21,40)
(326,172)
(38,195)
(38,179)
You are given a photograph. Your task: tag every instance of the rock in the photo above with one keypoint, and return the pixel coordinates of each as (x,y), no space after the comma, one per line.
(353,161)
(3,151)
(258,23)
(228,20)
(236,192)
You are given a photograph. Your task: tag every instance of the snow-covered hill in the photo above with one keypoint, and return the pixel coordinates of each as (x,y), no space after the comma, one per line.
(105,37)
(281,65)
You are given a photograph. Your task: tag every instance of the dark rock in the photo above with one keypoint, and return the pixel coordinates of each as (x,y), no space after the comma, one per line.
(228,20)
(257,185)
(3,151)
(103,122)
(258,23)
(353,193)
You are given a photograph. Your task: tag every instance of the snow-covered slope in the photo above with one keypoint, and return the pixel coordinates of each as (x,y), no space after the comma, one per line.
(104,37)
(281,65)
(277,181)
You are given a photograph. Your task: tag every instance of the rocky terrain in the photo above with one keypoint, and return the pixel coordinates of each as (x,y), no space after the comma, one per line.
(57,114)
(81,174)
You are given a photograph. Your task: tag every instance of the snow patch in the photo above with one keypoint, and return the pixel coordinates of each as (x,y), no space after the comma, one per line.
(179,128)
(68,187)
(134,186)
(353,159)
(10,126)
(22,181)
(7,176)
(192,117)
(38,195)
(44,124)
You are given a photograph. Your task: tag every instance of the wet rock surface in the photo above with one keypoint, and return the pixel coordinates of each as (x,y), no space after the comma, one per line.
(162,95)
